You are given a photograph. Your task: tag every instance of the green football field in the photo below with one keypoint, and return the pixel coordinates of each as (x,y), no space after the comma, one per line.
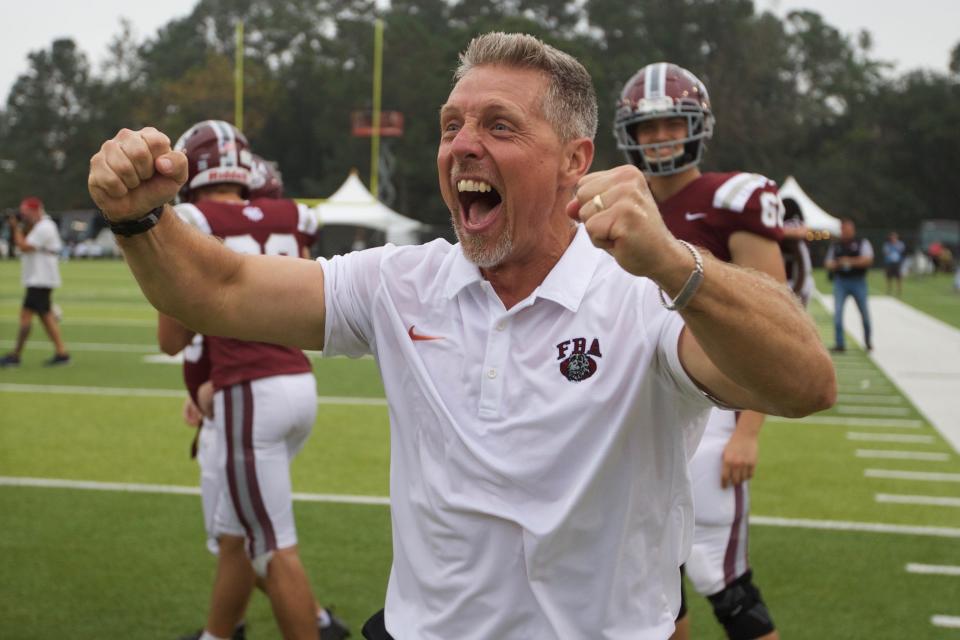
(856,529)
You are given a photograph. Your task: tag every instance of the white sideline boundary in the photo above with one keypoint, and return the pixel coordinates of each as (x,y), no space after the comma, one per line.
(839,421)
(947,622)
(889,437)
(134,487)
(933,569)
(795,523)
(930,501)
(160,393)
(929,456)
(928,476)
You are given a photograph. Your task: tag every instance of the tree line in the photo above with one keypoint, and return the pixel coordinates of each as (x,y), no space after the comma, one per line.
(792,96)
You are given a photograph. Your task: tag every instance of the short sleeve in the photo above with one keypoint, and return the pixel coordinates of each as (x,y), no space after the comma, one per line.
(663,330)
(755,203)
(308,221)
(866,249)
(45,237)
(351,283)
(193,216)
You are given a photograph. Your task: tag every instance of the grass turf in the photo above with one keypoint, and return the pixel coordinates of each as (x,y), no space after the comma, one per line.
(94,564)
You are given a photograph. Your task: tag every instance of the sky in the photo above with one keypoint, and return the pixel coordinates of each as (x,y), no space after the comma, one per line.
(912,34)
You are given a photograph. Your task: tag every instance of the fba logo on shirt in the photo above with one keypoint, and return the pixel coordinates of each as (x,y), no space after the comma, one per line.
(576,361)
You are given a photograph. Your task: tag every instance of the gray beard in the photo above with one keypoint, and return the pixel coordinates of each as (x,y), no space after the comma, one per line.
(483,254)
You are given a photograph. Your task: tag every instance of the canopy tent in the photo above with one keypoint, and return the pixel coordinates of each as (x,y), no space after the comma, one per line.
(814,217)
(352,204)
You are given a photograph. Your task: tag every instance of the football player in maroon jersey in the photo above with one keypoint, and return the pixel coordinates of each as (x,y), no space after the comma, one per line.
(662,124)
(264,398)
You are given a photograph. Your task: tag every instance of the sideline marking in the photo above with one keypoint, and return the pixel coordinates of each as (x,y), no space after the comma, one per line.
(933,501)
(870,527)
(135,487)
(933,569)
(902,455)
(948,622)
(801,523)
(853,398)
(92,346)
(161,393)
(929,476)
(874,411)
(889,437)
(838,421)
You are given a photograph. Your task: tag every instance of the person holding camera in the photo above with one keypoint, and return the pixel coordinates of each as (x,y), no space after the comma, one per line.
(40,273)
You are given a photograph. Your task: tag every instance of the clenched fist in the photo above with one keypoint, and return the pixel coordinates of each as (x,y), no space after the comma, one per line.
(135,172)
(621,216)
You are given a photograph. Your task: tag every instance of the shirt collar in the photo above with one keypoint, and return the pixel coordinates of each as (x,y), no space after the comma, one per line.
(566,284)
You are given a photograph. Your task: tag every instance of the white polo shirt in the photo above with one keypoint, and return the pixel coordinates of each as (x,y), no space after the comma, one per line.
(41,268)
(538,476)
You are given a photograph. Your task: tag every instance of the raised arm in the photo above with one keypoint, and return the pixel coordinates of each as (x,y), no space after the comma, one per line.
(742,325)
(191,276)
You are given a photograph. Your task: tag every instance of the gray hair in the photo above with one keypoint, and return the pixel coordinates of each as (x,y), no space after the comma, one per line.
(570,103)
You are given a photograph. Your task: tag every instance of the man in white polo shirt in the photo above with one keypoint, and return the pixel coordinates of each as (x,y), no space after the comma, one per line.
(544,395)
(40,274)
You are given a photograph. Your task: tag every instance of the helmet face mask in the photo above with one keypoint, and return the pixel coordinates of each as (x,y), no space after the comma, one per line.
(266,180)
(658,91)
(217,153)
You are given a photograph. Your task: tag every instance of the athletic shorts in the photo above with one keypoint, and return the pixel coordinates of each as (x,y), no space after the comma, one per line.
(893,270)
(37,299)
(719,552)
(211,456)
(262,424)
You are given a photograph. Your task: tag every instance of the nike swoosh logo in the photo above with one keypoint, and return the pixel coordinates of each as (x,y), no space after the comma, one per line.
(417,336)
(695,216)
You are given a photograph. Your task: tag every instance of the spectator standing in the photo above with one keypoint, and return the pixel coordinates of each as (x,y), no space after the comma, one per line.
(40,273)
(848,260)
(893,253)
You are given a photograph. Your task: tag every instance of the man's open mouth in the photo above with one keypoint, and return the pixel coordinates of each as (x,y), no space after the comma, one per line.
(480,203)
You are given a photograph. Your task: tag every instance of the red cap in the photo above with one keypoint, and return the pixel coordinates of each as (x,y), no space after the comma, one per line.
(32,202)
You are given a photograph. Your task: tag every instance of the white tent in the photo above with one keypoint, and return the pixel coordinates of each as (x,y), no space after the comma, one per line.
(352,204)
(814,217)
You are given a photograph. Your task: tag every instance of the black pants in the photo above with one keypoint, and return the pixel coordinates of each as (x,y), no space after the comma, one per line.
(375,628)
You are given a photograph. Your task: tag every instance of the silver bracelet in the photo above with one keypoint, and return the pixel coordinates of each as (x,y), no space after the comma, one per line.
(690,286)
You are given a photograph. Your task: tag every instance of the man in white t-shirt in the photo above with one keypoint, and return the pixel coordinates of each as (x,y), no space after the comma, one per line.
(40,264)
(544,394)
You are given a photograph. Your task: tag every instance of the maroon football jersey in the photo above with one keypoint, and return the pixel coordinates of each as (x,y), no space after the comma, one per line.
(711,208)
(196,366)
(263,226)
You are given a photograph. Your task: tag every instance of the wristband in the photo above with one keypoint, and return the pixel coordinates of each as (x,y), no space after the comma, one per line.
(129,228)
(690,286)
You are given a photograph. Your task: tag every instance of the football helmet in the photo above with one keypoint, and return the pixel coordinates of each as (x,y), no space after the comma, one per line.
(217,152)
(663,90)
(265,179)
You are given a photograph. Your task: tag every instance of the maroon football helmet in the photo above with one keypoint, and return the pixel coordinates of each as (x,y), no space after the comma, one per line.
(265,179)
(663,90)
(217,152)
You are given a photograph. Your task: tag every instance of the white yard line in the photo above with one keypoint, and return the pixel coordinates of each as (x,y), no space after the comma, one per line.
(889,437)
(933,569)
(89,346)
(889,454)
(923,476)
(947,622)
(875,398)
(133,487)
(929,501)
(859,410)
(851,422)
(840,525)
(160,393)
(802,523)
